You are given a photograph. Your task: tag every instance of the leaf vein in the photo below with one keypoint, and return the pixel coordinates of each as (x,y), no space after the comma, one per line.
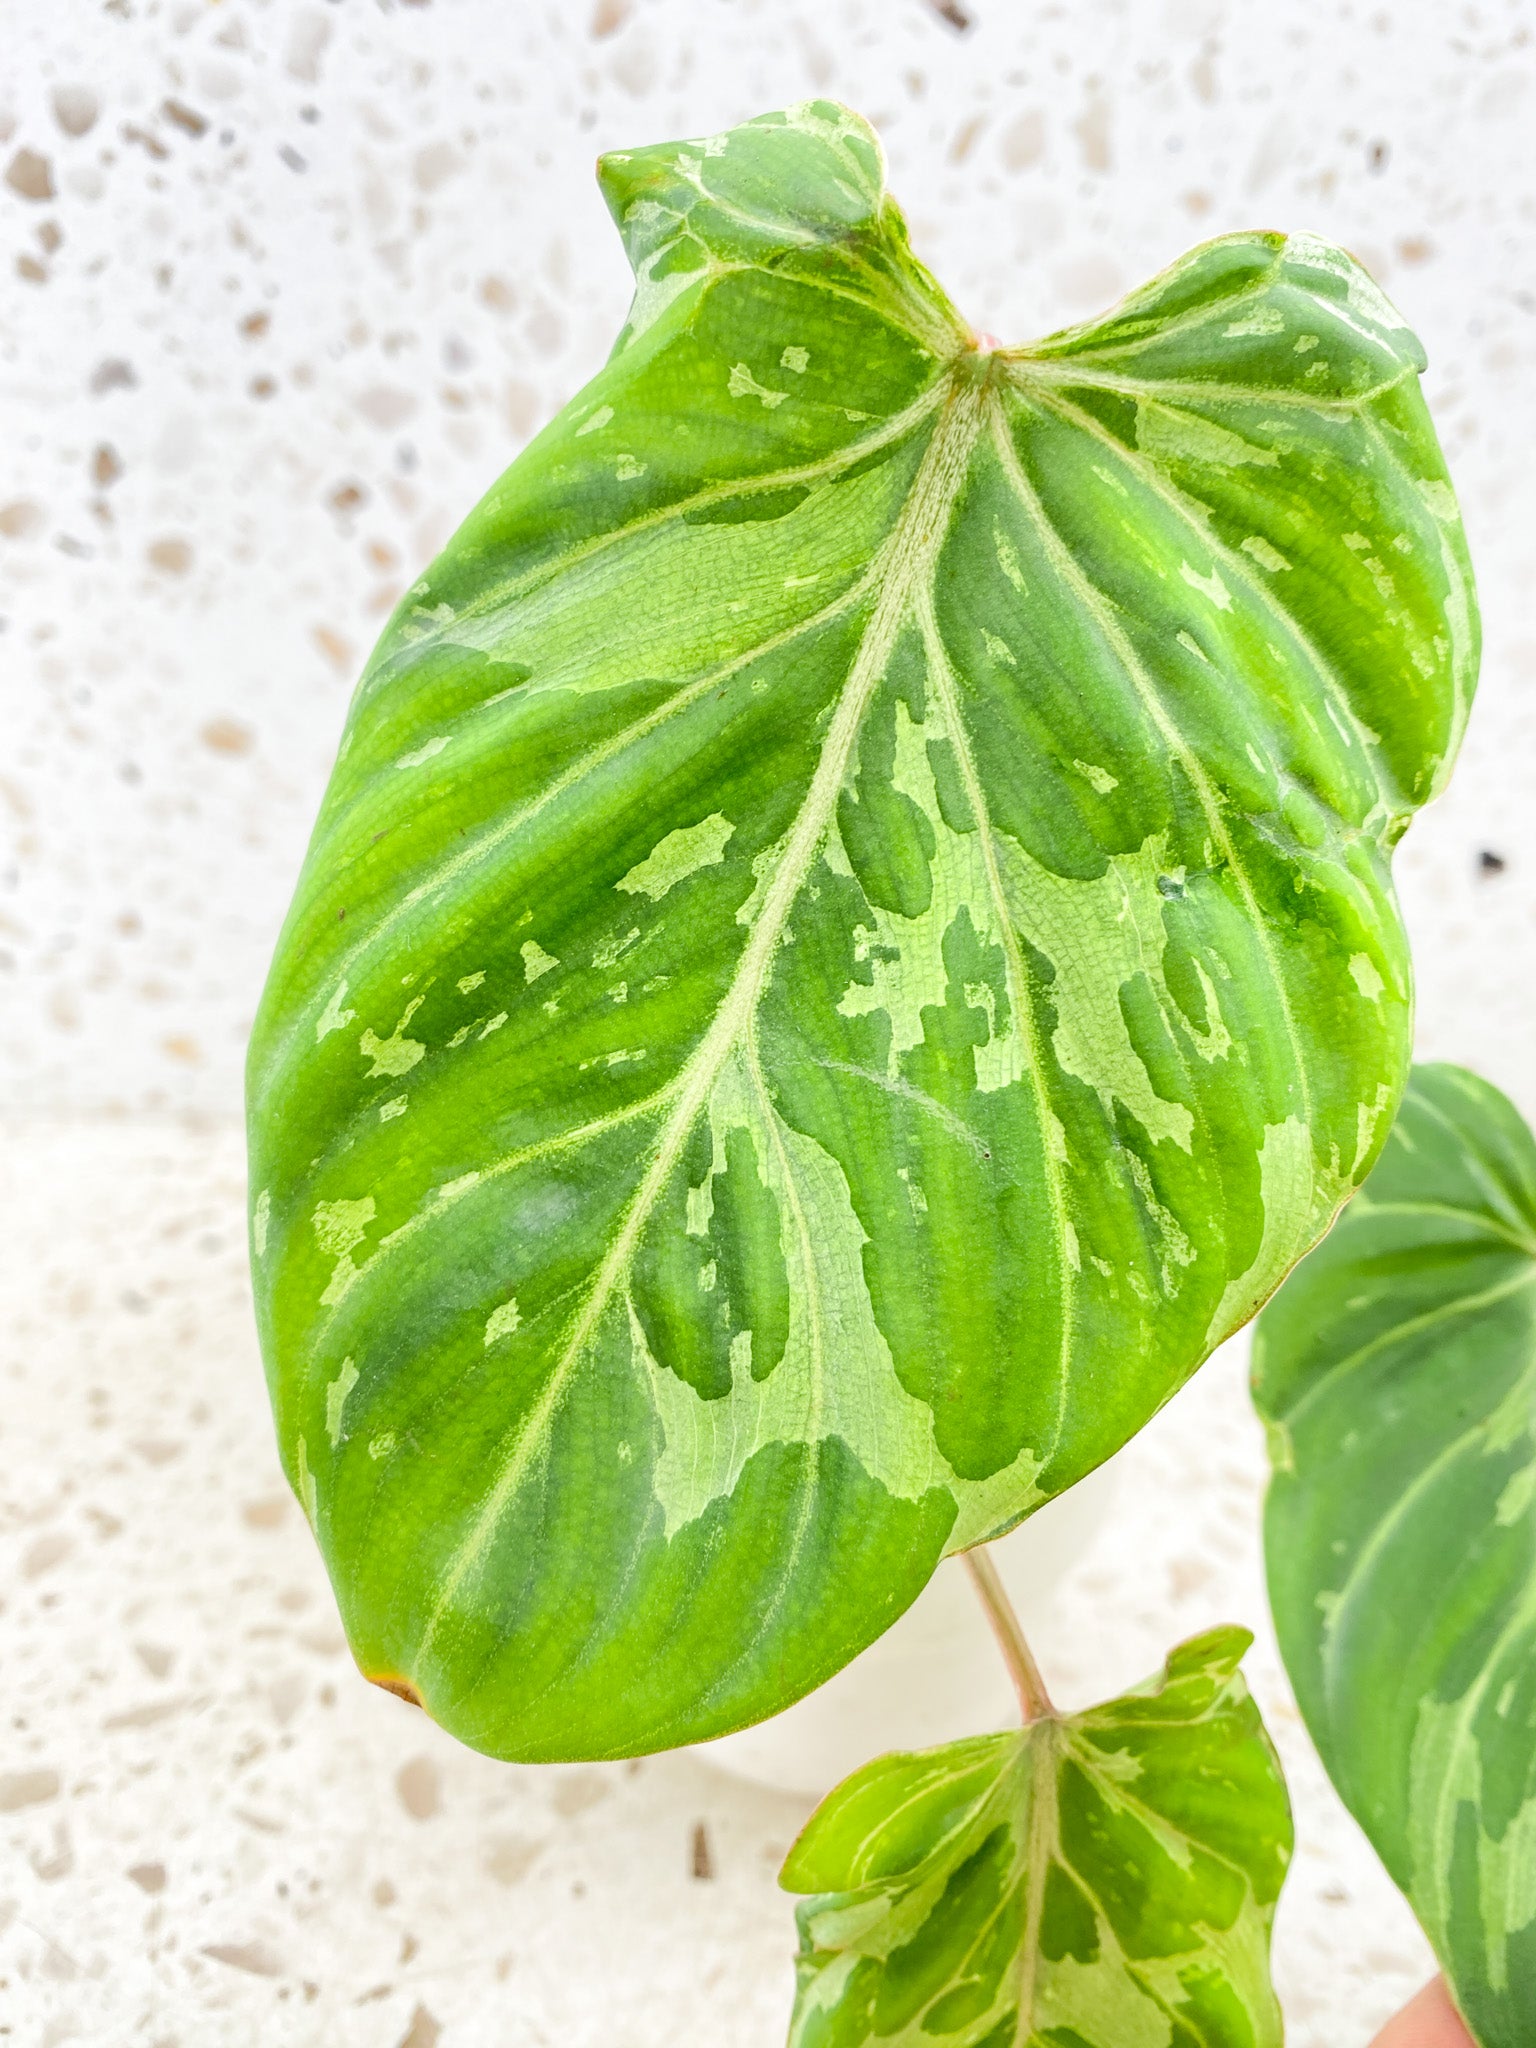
(908,554)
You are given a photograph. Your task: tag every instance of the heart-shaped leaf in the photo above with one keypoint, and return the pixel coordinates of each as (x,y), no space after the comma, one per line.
(1106,1880)
(849,943)
(1397,1372)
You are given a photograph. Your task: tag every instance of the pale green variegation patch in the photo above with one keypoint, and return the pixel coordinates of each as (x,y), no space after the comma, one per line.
(834,1378)
(883,953)
(1105,1880)
(1285,1181)
(681,854)
(1397,1371)
(336,1399)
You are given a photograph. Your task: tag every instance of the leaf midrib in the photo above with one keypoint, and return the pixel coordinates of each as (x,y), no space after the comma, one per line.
(909,556)
(293,1034)
(1044,1832)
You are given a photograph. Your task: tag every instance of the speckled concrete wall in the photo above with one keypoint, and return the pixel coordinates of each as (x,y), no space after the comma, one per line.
(288,284)
(285,286)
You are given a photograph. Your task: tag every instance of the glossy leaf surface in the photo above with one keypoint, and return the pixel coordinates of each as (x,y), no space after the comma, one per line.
(849,942)
(1397,1370)
(1106,1880)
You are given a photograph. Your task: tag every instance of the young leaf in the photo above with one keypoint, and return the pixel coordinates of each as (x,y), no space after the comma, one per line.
(1397,1371)
(849,942)
(1102,1881)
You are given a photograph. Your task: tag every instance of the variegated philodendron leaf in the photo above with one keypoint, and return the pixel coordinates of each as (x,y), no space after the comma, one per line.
(1397,1372)
(849,942)
(1106,1880)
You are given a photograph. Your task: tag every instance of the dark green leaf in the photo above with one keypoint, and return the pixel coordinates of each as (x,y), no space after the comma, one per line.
(1105,1880)
(798,1032)
(1397,1371)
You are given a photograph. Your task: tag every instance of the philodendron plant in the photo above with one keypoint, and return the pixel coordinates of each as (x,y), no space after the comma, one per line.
(1397,1372)
(849,944)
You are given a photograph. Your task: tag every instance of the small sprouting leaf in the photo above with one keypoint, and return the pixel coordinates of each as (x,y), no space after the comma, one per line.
(849,943)
(1104,1880)
(1397,1372)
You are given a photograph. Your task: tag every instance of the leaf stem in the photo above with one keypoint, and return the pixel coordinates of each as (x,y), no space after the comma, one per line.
(1034,1700)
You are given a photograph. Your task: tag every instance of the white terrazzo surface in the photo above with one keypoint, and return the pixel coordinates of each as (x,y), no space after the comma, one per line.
(216,1833)
(285,287)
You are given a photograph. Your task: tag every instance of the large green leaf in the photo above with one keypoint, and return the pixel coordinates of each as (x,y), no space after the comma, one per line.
(1397,1372)
(1106,1880)
(849,942)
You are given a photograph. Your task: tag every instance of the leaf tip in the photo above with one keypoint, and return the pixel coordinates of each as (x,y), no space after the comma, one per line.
(402,1688)
(783,180)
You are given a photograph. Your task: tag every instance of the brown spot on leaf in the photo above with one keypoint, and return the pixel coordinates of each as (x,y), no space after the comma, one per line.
(402,1688)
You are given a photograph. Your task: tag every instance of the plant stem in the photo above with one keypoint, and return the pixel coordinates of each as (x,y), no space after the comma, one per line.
(1034,1700)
